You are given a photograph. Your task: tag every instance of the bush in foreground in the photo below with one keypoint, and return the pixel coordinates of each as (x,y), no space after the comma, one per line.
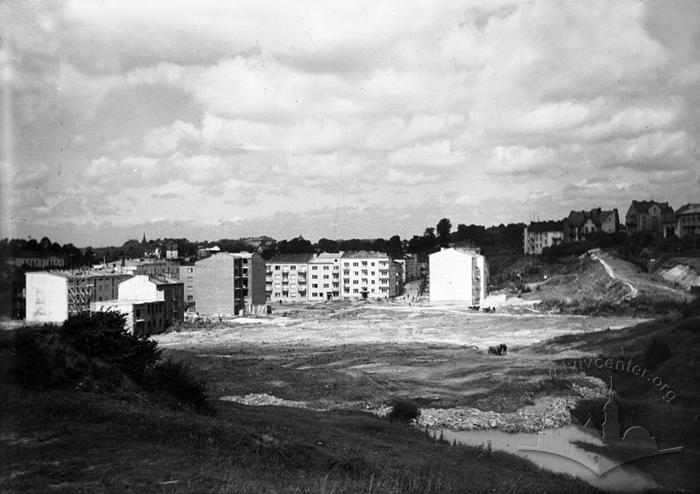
(95,352)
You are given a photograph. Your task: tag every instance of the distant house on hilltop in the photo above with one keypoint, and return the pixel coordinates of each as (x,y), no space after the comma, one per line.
(541,234)
(171,251)
(648,216)
(688,220)
(580,224)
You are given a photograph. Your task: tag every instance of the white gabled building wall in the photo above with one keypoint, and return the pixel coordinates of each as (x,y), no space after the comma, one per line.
(458,277)
(140,289)
(46,297)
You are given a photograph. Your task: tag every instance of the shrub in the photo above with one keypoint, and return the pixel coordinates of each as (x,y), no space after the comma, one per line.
(177,380)
(656,352)
(94,351)
(404,411)
(43,360)
(103,335)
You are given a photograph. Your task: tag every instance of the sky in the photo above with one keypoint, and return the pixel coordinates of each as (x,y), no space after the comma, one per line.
(339,119)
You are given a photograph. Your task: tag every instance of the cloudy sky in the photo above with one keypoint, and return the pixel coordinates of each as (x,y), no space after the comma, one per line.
(340,119)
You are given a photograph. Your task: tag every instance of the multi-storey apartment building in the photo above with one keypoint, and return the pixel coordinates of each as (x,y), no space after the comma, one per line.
(324,276)
(370,275)
(187,279)
(286,278)
(541,234)
(458,276)
(412,267)
(227,284)
(51,296)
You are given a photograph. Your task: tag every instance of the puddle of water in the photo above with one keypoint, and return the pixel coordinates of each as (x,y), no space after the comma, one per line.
(568,458)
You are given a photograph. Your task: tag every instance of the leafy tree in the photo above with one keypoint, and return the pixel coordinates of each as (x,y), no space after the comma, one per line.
(444,228)
(326,245)
(395,247)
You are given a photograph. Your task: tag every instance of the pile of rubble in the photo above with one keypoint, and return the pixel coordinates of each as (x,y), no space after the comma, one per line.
(547,412)
(265,399)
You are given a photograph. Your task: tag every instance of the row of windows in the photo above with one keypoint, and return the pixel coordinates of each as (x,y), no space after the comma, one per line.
(346,264)
(357,290)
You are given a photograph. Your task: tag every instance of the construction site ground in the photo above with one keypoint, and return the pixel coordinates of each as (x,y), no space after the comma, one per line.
(361,356)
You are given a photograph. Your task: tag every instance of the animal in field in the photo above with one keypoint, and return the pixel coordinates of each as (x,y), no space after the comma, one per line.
(501,349)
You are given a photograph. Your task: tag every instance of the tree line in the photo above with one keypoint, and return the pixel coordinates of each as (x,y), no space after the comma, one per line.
(491,240)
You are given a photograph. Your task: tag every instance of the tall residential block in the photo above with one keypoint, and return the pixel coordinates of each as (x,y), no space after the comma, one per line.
(227,284)
(324,276)
(370,275)
(286,278)
(458,276)
(187,278)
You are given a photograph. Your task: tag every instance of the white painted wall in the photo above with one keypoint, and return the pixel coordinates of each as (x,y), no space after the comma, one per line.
(450,276)
(47,297)
(139,289)
(451,273)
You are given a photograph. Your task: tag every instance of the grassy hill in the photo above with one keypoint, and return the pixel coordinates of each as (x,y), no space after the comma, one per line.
(668,349)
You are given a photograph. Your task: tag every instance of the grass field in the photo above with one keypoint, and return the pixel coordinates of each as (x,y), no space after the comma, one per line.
(82,442)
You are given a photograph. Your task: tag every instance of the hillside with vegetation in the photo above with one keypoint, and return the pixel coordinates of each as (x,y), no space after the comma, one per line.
(89,408)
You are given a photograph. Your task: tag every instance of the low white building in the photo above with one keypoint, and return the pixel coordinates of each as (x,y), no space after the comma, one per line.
(143,301)
(458,276)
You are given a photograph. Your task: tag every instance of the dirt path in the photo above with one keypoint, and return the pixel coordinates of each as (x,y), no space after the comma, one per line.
(608,269)
(635,280)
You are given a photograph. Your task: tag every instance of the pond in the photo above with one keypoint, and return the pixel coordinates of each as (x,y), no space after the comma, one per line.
(561,456)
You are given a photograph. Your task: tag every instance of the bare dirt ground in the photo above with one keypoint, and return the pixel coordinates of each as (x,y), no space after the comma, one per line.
(606,279)
(361,356)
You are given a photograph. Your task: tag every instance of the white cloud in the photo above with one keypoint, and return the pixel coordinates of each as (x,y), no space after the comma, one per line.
(167,140)
(262,103)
